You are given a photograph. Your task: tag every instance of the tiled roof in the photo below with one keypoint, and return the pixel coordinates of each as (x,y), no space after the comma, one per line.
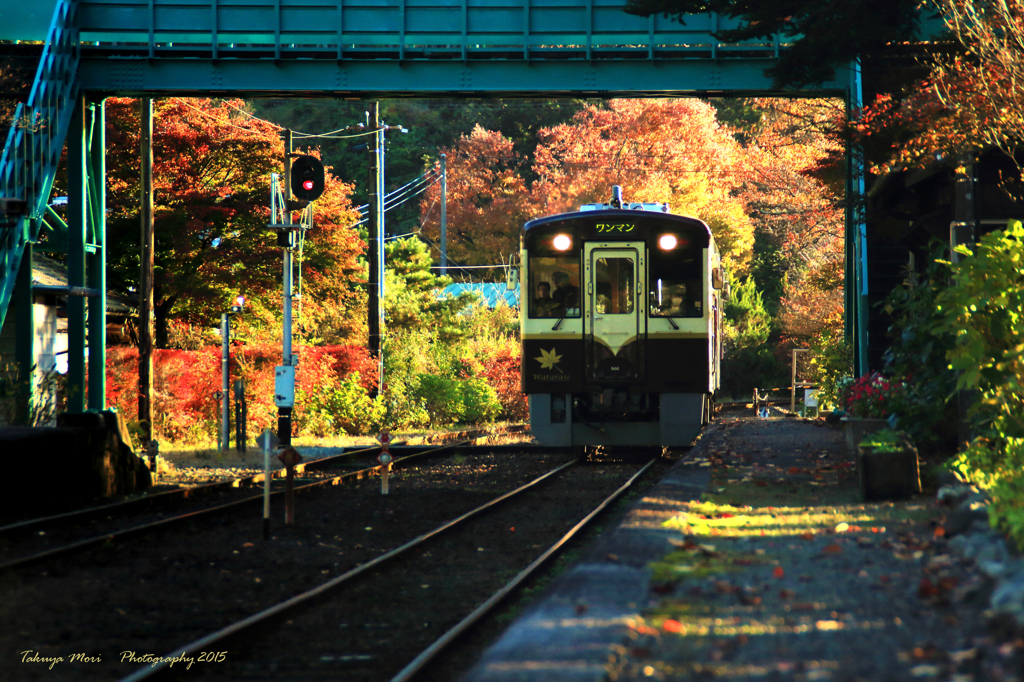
(48,272)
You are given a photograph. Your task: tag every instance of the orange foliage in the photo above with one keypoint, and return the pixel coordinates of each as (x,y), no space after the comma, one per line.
(797,145)
(966,103)
(663,150)
(486,200)
(185,384)
(211,175)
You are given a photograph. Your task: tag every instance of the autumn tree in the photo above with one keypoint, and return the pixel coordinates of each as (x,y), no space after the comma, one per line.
(663,150)
(486,200)
(211,173)
(822,34)
(969,101)
(797,214)
(434,125)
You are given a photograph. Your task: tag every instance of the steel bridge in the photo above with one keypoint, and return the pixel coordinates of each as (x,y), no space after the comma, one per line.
(92,49)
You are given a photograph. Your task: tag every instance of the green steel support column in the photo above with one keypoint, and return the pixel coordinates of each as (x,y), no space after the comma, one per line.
(77,220)
(856,235)
(98,260)
(24,338)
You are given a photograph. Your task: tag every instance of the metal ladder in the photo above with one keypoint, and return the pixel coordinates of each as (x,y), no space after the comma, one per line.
(34,146)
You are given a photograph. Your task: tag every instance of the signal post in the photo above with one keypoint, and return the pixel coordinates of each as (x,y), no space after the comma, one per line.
(303,178)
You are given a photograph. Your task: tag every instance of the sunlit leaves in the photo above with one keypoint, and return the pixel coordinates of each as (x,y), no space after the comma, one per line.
(666,150)
(211,174)
(487,200)
(968,101)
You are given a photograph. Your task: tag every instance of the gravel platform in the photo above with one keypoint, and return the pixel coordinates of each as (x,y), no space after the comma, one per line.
(797,580)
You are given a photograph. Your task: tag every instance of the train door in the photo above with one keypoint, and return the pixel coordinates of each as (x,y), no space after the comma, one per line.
(614,275)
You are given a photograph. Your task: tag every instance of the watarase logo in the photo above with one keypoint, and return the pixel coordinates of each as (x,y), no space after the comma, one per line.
(548,360)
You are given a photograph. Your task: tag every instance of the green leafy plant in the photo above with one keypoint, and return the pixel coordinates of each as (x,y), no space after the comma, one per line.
(886,440)
(442,398)
(353,411)
(479,401)
(917,351)
(749,359)
(831,361)
(983,311)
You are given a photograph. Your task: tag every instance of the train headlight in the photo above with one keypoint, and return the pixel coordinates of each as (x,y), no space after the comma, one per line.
(563,242)
(667,242)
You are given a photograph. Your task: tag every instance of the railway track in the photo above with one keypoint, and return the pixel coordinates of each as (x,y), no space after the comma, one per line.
(170,585)
(31,540)
(25,543)
(361,624)
(157,500)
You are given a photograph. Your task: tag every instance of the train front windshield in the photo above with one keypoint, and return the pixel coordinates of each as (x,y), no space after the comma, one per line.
(675,266)
(555,285)
(676,278)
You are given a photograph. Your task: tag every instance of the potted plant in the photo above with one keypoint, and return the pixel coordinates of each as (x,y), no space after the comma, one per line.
(871,403)
(887,465)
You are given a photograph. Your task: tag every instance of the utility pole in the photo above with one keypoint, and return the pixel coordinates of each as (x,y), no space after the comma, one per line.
(375,240)
(375,244)
(146,278)
(444,214)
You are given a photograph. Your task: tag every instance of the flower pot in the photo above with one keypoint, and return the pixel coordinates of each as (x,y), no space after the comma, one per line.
(858,427)
(888,475)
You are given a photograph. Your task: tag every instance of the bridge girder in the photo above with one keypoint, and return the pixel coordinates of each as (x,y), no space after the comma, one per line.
(383,79)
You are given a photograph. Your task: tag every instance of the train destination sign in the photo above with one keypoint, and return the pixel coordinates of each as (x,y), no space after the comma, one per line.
(614,228)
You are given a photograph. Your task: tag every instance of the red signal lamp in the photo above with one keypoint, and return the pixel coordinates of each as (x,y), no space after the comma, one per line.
(307,176)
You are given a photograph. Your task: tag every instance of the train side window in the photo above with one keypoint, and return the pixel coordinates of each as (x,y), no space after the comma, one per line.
(554,286)
(676,298)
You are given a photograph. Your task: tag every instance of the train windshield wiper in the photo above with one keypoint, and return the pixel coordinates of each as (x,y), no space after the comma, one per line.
(565,311)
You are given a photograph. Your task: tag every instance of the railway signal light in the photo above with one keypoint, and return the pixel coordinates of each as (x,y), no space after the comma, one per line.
(307,178)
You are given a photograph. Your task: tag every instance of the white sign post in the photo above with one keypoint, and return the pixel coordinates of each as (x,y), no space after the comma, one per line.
(385,459)
(267,441)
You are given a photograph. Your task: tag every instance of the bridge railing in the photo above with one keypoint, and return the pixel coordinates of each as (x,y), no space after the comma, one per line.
(34,145)
(406,29)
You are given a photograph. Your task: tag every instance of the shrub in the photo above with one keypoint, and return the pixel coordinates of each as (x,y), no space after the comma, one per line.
(831,361)
(918,348)
(874,396)
(442,399)
(983,311)
(185,383)
(503,375)
(347,408)
(479,401)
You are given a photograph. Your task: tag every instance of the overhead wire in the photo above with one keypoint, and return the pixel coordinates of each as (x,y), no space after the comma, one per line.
(297,133)
(399,189)
(210,116)
(393,199)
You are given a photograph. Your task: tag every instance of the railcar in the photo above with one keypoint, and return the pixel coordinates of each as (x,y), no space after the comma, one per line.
(621,325)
